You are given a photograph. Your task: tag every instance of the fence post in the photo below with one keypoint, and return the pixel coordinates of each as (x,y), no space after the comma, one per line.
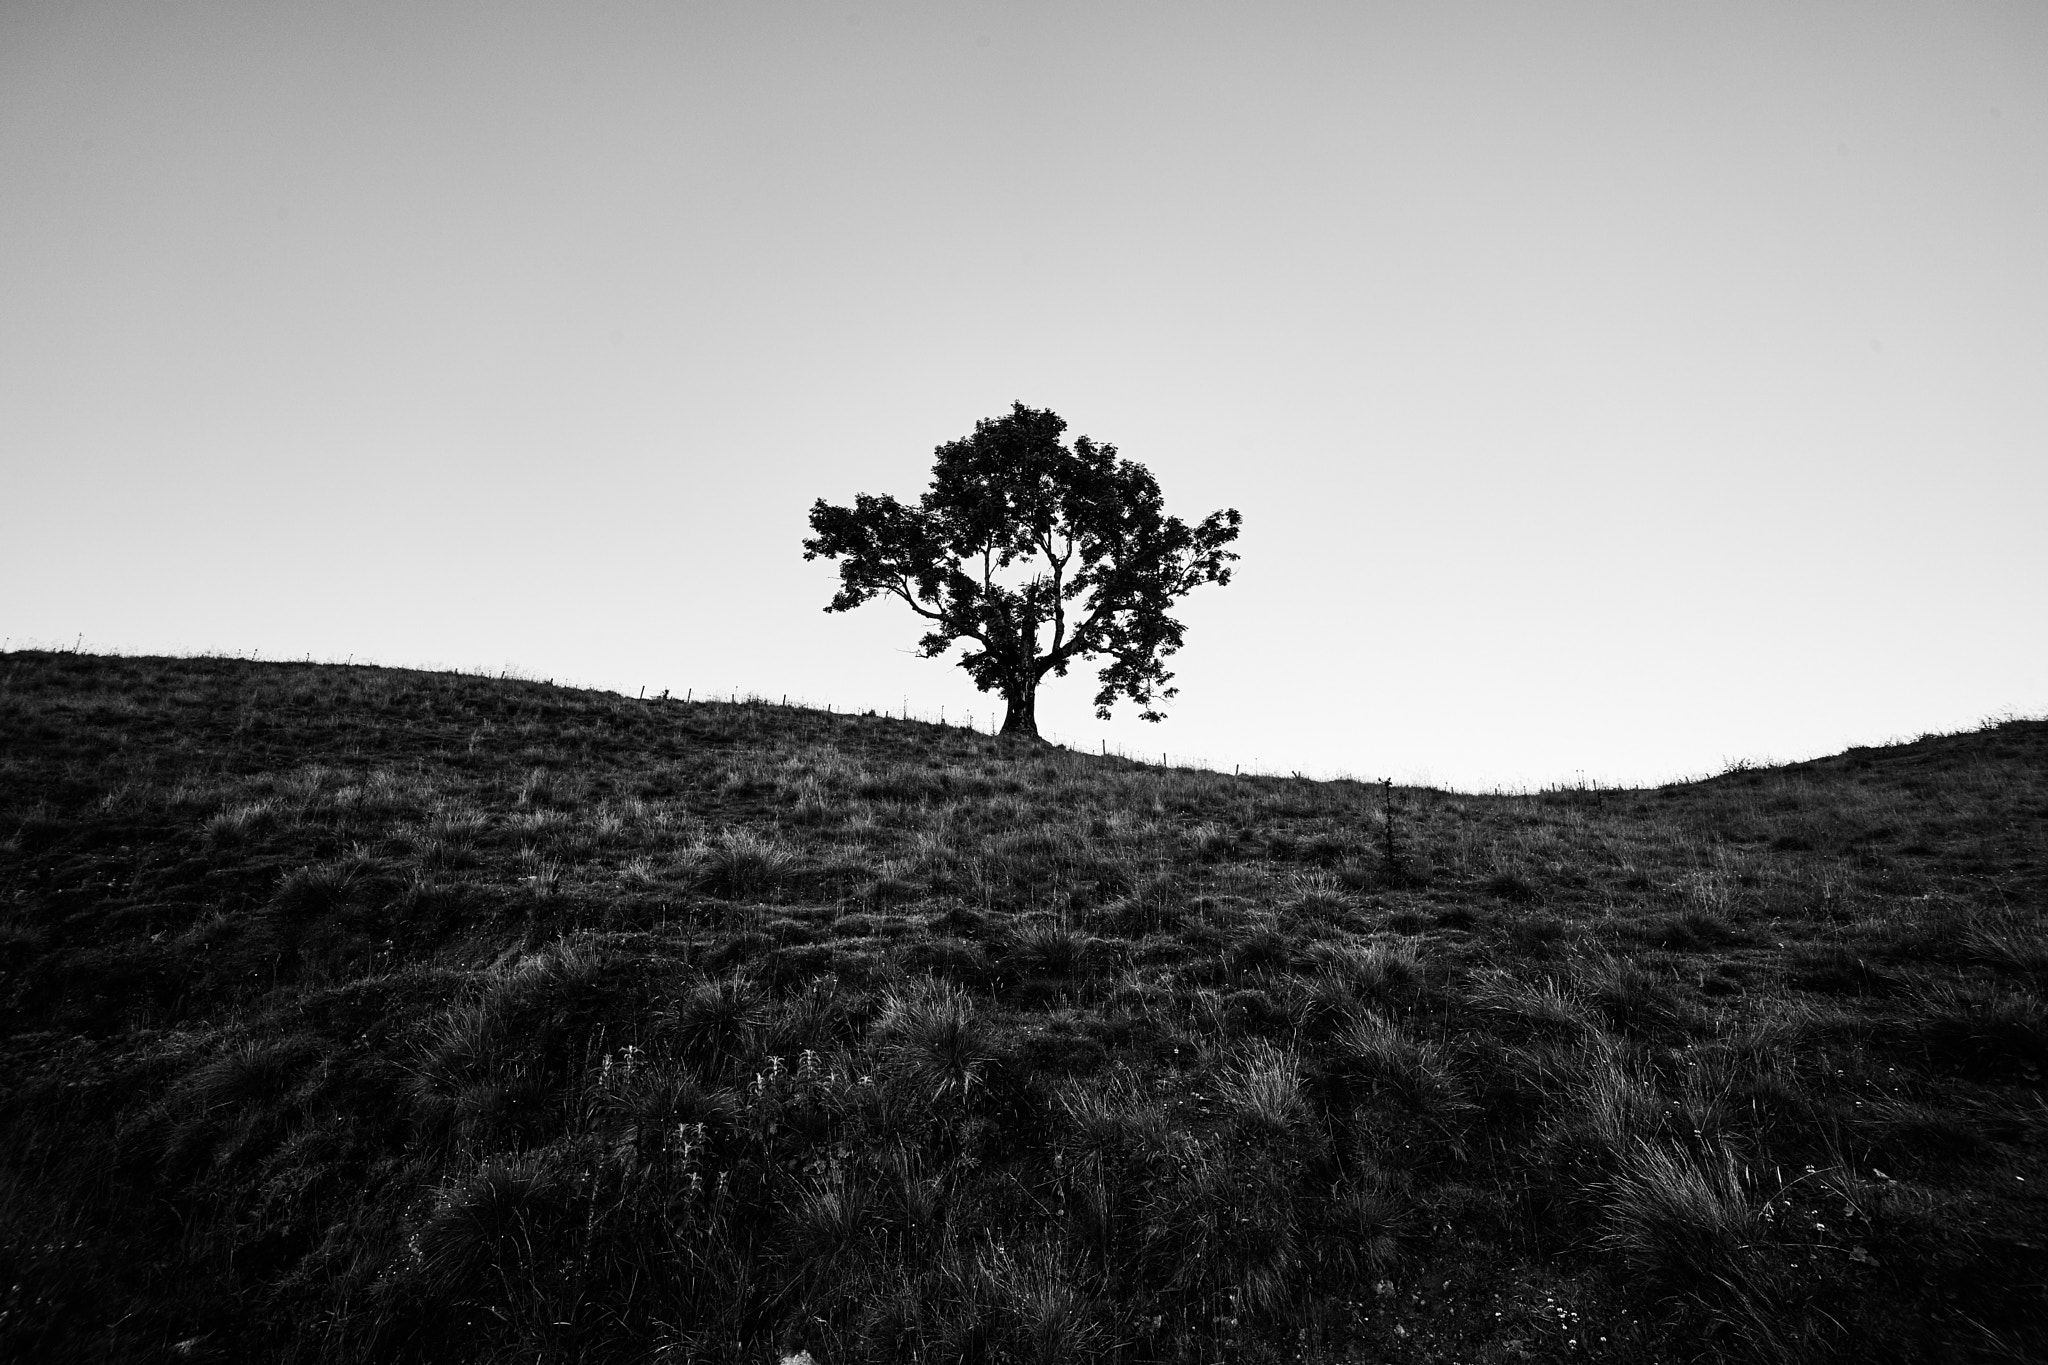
(1387,817)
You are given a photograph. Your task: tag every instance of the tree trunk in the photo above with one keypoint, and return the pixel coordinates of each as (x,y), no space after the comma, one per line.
(1022,716)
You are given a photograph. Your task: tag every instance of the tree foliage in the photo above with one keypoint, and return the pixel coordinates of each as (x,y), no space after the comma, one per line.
(1037,555)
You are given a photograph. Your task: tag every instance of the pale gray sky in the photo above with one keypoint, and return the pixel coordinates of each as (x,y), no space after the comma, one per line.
(1609,389)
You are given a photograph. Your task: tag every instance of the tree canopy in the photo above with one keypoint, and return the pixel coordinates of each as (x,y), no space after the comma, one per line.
(1037,555)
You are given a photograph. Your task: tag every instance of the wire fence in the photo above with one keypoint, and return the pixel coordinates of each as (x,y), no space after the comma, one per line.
(989,723)
(981,721)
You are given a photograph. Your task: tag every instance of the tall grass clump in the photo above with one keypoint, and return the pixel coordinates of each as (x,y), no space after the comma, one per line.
(1377,1056)
(1260,1088)
(1681,1215)
(928,1034)
(742,864)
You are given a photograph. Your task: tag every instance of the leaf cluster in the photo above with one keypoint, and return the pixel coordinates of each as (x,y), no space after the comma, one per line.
(1021,542)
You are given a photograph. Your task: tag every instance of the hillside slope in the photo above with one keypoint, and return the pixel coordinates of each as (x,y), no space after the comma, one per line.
(358,1014)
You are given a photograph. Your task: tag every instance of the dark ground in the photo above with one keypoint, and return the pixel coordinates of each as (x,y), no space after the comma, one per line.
(356,1014)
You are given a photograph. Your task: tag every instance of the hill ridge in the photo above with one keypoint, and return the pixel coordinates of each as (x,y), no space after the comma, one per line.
(359,1013)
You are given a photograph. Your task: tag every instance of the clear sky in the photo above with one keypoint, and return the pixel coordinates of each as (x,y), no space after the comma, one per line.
(1611,391)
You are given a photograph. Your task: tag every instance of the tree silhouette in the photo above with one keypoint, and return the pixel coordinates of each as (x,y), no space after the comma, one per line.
(1018,535)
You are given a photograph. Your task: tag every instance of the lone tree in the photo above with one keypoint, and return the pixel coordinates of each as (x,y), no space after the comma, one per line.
(1020,535)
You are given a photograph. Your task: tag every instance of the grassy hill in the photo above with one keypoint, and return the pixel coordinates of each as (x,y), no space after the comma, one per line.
(355,1014)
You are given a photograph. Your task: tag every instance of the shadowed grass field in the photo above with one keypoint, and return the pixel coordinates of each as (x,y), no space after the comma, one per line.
(353,1014)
